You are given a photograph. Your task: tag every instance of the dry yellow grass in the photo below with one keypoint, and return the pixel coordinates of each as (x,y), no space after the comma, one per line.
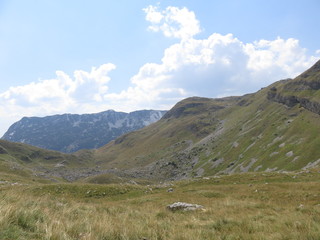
(277,210)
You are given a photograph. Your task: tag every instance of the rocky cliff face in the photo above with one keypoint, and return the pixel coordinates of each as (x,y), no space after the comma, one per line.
(72,132)
(292,100)
(303,90)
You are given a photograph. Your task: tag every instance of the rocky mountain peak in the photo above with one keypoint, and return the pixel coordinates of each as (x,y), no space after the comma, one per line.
(72,132)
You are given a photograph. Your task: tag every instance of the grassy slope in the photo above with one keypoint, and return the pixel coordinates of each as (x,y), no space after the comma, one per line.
(257,135)
(268,135)
(198,137)
(162,139)
(23,163)
(240,206)
(262,205)
(264,134)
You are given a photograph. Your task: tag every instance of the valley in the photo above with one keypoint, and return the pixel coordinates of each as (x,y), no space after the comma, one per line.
(252,162)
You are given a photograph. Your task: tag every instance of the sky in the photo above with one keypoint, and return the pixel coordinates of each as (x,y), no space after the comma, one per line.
(80,56)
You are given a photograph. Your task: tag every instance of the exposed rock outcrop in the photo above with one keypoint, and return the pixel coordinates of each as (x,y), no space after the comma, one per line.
(183,206)
(292,101)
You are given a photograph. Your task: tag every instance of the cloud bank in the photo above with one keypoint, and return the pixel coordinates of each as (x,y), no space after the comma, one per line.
(219,65)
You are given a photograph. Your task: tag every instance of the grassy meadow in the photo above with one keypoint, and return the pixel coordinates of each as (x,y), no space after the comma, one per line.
(240,206)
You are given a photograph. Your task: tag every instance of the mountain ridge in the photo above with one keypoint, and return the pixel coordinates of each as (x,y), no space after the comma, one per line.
(72,132)
(303,90)
(261,131)
(202,137)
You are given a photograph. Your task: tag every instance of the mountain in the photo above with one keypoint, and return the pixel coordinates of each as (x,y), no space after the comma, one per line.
(274,129)
(72,132)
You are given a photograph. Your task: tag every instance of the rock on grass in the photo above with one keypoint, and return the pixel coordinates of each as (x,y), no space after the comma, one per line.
(183,206)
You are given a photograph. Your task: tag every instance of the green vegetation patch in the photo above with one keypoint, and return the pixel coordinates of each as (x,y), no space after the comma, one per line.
(87,190)
(240,206)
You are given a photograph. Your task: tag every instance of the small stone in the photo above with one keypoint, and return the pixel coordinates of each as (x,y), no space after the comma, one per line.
(301,206)
(289,154)
(133,182)
(170,190)
(183,206)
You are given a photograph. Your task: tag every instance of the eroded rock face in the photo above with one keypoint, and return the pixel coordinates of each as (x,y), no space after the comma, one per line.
(302,90)
(292,100)
(182,206)
(310,105)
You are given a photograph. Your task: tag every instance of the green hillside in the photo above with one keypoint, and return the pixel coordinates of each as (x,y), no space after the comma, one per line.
(24,163)
(275,129)
(251,162)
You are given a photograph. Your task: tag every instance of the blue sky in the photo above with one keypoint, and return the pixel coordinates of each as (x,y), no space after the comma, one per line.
(88,56)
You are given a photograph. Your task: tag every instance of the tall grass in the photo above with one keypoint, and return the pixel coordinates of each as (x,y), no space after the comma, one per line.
(279,210)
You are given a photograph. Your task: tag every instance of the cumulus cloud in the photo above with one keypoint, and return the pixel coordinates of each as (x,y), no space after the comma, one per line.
(278,57)
(85,86)
(173,22)
(216,66)
(220,65)
(58,95)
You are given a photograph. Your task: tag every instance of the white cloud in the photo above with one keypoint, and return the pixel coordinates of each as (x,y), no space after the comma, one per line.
(219,65)
(272,57)
(152,15)
(173,22)
(81,93)
(62,90)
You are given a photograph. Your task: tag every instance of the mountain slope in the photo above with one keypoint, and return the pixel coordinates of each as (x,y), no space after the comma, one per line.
(72,132)
(24,163)
(276,128)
